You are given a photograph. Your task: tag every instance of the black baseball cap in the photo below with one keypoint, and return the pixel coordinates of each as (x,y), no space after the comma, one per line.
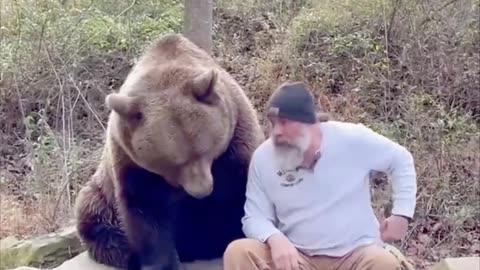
(293,101)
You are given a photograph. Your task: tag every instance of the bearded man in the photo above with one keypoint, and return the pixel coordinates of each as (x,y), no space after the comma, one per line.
(308,196)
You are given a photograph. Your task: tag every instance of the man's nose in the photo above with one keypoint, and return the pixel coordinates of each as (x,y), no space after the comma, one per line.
(277,130)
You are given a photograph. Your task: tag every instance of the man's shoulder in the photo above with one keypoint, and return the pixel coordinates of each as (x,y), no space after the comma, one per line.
(344,125)
(357,134)
(343,129)
(263,151)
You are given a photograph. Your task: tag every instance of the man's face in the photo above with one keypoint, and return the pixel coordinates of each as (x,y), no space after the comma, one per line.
(284,132)
(291,140)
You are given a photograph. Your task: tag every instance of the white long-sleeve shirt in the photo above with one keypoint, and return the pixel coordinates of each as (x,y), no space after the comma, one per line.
(328,210)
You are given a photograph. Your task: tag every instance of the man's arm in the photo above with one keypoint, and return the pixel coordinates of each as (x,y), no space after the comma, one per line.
(258,222)
(383,154)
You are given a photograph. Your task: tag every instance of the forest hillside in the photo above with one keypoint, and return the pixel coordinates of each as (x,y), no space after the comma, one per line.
(408,69)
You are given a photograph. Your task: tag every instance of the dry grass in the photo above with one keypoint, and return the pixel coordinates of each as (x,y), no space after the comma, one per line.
(409,69)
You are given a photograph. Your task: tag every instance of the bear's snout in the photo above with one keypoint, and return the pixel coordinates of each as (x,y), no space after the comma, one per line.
(198,190)
(197,179)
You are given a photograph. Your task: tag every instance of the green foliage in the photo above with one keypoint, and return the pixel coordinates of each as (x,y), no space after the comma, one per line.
(81,27)
(357,43)
(139,25)
(336,18)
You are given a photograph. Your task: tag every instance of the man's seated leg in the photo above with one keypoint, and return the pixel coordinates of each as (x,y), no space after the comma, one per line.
(371,257)
(247,254)
(250,254)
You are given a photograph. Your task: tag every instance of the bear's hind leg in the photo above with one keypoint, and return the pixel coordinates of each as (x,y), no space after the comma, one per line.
(110,247)
(99,229)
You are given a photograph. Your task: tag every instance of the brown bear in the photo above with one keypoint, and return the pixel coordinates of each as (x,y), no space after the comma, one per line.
(170,185)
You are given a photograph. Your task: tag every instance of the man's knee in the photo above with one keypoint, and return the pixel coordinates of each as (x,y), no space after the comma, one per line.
(379,258)
(240,248)
(386,261)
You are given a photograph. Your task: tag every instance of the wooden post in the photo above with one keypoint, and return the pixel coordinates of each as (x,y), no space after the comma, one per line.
(198,17)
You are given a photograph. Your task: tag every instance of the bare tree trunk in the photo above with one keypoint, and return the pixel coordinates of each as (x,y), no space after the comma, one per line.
(198,23)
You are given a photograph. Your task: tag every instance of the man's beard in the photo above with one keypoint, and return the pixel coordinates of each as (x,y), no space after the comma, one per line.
(289,156)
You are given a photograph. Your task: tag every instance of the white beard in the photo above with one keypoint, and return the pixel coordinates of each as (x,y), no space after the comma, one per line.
(289,157)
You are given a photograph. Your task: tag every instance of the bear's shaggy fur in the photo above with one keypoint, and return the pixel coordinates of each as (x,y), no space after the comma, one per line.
(170,185)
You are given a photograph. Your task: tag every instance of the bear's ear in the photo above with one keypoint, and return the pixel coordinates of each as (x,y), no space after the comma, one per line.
(202,87)
(127,107)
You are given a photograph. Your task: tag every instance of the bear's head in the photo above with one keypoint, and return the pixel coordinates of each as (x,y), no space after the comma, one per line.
(173,122)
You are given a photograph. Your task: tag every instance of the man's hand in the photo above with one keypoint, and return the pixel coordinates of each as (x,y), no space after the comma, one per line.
(393,228)
(284,254)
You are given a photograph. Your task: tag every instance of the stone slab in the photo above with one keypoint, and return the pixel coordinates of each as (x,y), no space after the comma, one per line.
(461,263)
(204,265)
(82,262)
(45,251)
